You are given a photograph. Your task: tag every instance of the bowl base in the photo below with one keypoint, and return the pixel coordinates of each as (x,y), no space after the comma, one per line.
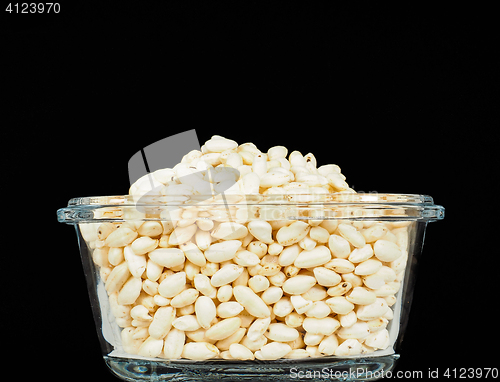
(308,369)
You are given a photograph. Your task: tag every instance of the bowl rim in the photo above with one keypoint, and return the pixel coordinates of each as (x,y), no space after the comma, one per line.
(422,207)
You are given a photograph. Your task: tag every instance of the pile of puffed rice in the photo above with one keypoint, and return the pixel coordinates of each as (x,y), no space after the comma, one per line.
(200,287)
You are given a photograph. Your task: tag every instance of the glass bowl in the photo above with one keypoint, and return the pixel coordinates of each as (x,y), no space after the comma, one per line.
(372,243)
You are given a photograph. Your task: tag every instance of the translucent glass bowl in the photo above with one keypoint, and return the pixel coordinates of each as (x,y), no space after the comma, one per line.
(400,218)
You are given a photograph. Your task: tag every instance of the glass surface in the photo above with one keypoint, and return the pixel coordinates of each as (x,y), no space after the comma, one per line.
(402,219)
(274,206)
(312,369)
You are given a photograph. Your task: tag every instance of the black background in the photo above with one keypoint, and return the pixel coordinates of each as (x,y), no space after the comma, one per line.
(397,97)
